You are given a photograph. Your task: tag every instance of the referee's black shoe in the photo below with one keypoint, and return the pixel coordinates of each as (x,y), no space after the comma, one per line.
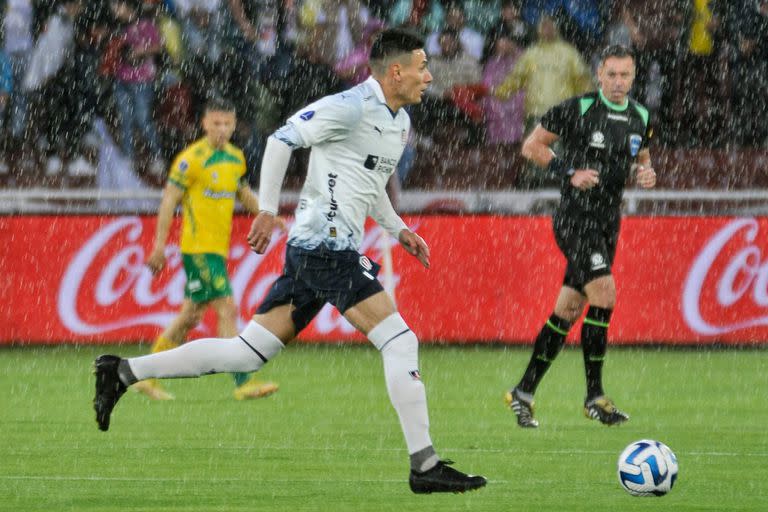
(443,478)
(109,388)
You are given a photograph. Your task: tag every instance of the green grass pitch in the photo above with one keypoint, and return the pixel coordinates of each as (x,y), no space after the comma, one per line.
(329,439)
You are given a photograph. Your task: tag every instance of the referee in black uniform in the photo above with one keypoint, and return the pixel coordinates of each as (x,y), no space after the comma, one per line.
(604,138)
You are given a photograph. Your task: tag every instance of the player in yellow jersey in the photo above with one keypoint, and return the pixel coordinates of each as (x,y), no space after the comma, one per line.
(205,178)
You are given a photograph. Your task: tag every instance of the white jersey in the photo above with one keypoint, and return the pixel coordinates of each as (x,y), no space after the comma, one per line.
(356,143)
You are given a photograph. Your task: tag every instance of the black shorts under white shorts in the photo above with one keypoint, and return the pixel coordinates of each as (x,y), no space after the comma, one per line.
(588,247)
(313,277)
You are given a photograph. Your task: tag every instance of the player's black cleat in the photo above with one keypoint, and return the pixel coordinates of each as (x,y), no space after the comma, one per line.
(603,409)
(109,388)
(443,478)
(522,408)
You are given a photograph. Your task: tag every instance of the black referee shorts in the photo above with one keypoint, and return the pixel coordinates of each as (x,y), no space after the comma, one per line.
(313,277)
(588,247)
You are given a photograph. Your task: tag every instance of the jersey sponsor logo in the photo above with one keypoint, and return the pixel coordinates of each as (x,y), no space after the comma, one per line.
(381,132)
(380,163)
(332,203)
(597,140)
(618,117)
(598,261)
(634,143)
(306,116)
(214,194)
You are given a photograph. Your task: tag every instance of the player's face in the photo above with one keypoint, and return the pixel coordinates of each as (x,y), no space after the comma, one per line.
(219,127)
(616,75)
(414,78)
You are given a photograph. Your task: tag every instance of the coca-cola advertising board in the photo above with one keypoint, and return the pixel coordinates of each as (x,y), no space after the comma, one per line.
(680,280)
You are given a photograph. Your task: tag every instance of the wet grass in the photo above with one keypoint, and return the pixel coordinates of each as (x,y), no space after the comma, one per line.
(329,439)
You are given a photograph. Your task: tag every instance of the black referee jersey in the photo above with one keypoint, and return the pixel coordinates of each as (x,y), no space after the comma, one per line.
(597,134)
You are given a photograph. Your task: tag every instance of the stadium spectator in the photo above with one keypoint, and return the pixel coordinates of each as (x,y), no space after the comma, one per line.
(657,30)
(504,119)
(342,188)
(549,71)
(512,25)
(581,23)
(451,109)
(353,68)
(135,75)
(204,178)
(701,97)
(47,79)
(340,25)
(18,42)
(605,138)
(424,15)
(6,90)
(471,41)
(750,73)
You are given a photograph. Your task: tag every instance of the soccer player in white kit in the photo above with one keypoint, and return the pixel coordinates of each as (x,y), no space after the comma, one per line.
(356,137)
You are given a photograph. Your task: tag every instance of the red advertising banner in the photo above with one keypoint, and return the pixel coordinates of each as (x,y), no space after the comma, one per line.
(681,280)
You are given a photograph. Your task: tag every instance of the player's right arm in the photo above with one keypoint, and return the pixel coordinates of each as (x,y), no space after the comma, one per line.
(172,196)
(329,119)
(537,149)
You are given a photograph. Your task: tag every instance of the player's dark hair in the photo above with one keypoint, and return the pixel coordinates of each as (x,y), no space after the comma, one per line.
(395,41)
(616,50)
(218,104)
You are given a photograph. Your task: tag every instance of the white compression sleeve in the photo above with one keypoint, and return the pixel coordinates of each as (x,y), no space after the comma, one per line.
(244,353)
(400,352)
(277,155)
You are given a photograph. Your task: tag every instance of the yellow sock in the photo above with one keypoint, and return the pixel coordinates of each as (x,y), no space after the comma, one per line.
(162,344)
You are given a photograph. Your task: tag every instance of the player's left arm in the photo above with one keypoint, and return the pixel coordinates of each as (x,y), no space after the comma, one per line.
(384,214)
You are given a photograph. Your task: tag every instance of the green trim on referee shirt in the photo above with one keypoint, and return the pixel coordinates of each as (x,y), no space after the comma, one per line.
(556,328)
(589,321)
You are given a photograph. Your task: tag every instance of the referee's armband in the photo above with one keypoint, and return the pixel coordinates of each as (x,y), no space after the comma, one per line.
(557,166)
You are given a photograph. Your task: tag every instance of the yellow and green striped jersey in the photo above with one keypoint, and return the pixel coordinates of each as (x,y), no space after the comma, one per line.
(210,179)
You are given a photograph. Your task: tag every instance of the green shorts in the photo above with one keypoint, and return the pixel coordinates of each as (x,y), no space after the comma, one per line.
(207,277)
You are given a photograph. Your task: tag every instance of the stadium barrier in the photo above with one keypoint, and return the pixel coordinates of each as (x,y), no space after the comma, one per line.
(681,280)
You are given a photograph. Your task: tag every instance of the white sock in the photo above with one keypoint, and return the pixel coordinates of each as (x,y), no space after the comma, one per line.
(244,353)
(400,351)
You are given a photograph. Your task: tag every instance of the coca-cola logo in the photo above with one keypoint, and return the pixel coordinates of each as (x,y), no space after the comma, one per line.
(734,264)
(106,286)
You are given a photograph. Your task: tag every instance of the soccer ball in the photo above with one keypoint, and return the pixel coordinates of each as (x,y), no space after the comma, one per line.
(647,468)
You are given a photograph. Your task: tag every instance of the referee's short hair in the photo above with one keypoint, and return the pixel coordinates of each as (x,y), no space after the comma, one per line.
(395,42)
(616,50)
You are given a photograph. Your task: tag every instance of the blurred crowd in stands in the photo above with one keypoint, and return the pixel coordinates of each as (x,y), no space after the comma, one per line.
(146,68)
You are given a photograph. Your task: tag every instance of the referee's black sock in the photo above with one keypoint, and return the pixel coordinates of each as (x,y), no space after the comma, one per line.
(548,344)
(594,342)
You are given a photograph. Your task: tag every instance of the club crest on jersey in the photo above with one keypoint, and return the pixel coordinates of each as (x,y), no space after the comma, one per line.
(306,116)
(634,143)
(365,263)
(598,261)
(183,166)
(597,140)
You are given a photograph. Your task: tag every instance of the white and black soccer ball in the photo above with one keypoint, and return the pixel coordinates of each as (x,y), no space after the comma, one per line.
(647,468)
